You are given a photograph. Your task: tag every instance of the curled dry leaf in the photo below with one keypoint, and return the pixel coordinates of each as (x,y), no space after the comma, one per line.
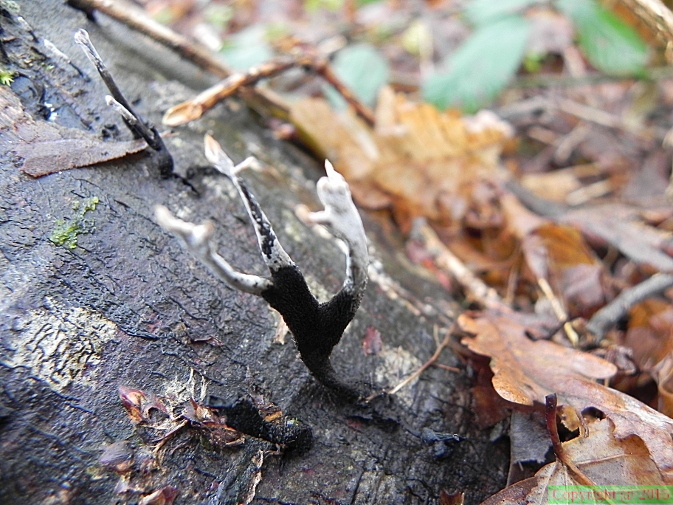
(372,344)
(602,458)
(163,496)
(117,457)
(526,371)
(558,254)
(138,403)
(416,158)
(650,337)
(623,226)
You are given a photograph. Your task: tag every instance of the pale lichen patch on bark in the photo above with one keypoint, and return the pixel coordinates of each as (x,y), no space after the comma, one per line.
(59,345)
(397,364)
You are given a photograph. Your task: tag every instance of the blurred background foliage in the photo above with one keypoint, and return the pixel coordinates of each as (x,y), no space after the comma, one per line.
(454,54)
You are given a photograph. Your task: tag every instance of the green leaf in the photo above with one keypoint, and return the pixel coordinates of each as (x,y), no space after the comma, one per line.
(363,70)
(480,12)
(480,68)
(247,49)
(609,44)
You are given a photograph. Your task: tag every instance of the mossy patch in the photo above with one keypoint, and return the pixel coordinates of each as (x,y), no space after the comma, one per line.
(6,77)
(66,231)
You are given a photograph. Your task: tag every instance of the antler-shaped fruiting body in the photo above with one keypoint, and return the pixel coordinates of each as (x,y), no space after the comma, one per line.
(316,327)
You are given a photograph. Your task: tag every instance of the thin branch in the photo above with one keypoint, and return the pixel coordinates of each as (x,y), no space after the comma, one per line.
(615,310)
(474,287)
(443,344)
(196,107)
(130,15)
(203,57)
(323,68)
(135,18)
(559,311)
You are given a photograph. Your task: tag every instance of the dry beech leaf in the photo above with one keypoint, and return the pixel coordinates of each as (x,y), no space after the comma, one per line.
(421,159)
(623,227)
(559,254)
(650,338)
(601,457)
(526,371)
(664,379)
(163,496)
(138,403)
(47,148)
(649,332)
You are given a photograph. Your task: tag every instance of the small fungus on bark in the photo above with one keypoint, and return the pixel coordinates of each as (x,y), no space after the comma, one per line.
(317,327)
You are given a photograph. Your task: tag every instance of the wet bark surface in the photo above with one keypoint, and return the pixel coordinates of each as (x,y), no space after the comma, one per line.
(117,302)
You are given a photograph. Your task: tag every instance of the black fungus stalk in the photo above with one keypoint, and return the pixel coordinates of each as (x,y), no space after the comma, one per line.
(133,121)
(316,327)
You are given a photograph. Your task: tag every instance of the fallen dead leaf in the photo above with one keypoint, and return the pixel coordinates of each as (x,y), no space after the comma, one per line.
(649,332)
(372,344)
(163,496)
(601,457)
(417,159)
(526,371)
(47,148)
(650,340)
(623,226)
(558,254)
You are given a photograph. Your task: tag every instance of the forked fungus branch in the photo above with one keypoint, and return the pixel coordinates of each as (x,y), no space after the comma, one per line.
(316,327)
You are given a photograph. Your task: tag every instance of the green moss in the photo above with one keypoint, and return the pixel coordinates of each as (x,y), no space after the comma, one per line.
(90,204)
(6,77)
(66,231)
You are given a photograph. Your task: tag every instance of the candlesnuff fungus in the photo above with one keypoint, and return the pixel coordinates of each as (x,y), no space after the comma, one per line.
(316,327)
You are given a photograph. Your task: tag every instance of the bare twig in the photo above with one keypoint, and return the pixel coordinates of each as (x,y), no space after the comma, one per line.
(196,107)
(203,57)
(130,15)
(559,311)
(323,69)
(615,310)
(474,287)
(426,365)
